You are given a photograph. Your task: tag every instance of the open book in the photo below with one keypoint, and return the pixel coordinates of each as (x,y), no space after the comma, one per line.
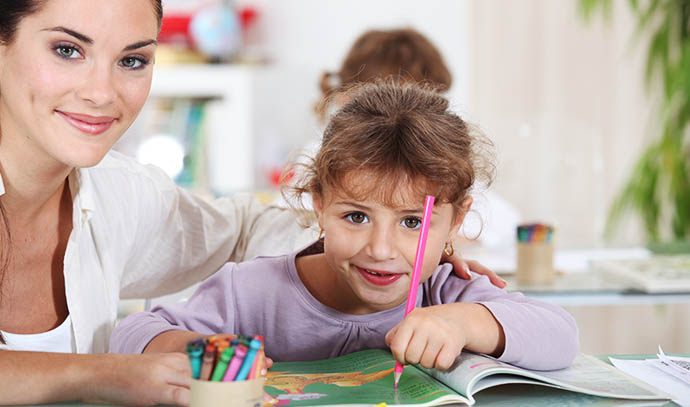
(366,378)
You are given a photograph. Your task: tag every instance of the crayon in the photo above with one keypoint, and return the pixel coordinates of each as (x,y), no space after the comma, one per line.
(222,365)
(235,363)
(254,347)
(194,351)
(255,371)
(416,271)
(207,362)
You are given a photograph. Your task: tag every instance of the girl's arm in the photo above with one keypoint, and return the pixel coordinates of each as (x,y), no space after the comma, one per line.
(483,318)
(38,377)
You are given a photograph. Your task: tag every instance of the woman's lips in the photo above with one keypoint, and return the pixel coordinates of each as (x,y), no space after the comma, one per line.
(87,124)
(378,277)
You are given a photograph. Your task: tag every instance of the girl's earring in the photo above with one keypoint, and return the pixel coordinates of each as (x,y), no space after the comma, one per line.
(322,234)
(448,249)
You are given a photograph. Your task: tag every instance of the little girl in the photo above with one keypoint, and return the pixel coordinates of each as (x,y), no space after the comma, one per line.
(384,150)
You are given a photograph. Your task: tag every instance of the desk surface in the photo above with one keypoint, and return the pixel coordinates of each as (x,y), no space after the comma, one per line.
(590,288)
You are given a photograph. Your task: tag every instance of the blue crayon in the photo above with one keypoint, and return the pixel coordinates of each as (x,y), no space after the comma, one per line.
(254,347)
(194,351)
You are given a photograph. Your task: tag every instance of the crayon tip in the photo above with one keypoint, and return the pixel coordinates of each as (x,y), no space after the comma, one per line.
(396,376)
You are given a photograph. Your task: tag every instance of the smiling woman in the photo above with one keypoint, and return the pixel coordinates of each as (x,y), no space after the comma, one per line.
(81,226)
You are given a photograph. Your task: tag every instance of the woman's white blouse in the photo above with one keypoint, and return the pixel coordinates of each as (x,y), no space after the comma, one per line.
(138,235)
(59,339)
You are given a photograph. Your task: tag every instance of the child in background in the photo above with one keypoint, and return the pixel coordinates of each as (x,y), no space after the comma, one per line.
(403,54)
(389,146)
(407,55)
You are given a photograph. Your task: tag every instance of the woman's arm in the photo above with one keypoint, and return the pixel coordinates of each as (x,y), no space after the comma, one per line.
(38,377)
(175,238)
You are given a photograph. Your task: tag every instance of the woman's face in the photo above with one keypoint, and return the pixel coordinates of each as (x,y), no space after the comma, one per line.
(75,77)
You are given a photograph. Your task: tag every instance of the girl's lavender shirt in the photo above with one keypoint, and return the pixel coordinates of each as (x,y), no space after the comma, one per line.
(265,296)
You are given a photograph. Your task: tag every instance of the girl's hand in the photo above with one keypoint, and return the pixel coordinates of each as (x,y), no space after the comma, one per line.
(149,379)
(462,268)
(427,337)
(434,336)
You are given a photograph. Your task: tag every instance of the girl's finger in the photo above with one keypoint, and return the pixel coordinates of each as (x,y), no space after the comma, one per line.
(446,357)
(399,343)
(390,335)
(430,354)
(415,347)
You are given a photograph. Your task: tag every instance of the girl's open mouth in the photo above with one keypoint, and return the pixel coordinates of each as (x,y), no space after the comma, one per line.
(378,277)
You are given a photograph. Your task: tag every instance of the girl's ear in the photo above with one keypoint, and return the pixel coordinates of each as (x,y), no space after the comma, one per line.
(464,208)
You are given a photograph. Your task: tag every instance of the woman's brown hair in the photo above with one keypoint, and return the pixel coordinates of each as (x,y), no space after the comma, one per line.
(396,132)
(402,54)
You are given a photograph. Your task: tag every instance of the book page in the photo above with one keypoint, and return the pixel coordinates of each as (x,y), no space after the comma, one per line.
(586,375)
(361,378)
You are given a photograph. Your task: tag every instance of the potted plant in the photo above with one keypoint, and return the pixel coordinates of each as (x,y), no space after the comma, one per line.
(659,186)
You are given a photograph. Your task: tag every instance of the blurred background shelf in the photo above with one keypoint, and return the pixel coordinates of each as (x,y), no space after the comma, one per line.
(225,142)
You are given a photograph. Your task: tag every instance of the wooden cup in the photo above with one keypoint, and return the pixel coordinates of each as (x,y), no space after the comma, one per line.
(246,393)
(535,263)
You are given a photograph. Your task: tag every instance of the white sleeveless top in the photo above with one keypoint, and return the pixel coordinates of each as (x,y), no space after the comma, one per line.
(59,339)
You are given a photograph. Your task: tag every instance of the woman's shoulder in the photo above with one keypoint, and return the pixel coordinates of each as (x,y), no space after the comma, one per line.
(121,175)
(117,165)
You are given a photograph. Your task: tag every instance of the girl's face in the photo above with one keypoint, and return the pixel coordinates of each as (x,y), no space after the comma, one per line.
(75,77)
(372,247)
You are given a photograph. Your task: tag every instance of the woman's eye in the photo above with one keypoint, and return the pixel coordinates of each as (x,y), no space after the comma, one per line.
(68,52)
(133,62)
(411,222)
(357,217)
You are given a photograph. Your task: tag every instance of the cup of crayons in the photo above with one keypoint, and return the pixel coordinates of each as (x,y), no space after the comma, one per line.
(535,254)
(227,370)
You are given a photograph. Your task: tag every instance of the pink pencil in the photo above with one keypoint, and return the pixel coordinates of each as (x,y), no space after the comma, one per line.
(416,271)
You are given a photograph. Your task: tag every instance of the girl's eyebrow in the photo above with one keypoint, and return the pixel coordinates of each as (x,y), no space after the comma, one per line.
(416,211)
(402,212)
(88,40)
(355,204)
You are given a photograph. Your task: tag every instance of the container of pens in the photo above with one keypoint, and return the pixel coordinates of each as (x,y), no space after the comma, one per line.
(227,370)
(535,254)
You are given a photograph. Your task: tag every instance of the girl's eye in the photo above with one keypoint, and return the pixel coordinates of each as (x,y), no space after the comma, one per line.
(411,222)
(357,217)
(133,62)
(67,52)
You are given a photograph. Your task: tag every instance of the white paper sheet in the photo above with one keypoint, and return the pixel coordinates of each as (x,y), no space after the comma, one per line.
(647,372)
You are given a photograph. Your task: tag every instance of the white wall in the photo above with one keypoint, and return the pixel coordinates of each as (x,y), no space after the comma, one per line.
(565,104)
(562,100)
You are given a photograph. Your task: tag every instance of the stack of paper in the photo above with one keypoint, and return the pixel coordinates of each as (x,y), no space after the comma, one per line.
(669,374)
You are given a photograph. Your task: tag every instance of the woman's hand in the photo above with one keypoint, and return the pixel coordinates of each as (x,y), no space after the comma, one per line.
(150,379)
(462,268)
(434,336)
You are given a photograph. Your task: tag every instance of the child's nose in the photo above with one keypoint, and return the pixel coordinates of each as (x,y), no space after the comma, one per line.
(381,244)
